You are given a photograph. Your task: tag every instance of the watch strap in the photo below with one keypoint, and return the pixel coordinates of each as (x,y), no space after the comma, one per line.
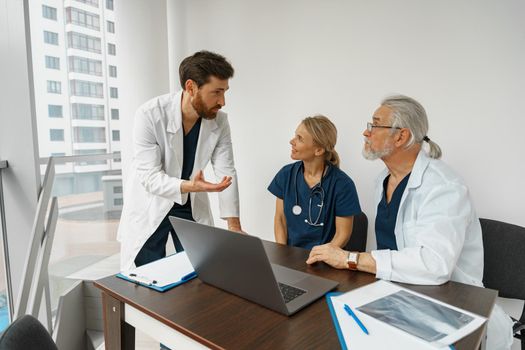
(352,260)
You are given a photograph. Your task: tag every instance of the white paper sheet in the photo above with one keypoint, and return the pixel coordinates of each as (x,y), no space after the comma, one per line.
(164,272)
(383,334)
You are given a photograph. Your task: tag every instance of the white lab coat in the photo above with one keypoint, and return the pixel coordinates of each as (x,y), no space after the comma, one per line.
(154,185)
(438,237)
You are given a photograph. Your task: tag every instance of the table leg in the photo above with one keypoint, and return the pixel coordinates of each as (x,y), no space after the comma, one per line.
(117,333)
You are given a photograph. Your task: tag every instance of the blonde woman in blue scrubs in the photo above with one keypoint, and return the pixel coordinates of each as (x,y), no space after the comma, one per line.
(316,201)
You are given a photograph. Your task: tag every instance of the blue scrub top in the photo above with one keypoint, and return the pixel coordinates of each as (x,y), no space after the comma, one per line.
(387,215)
(190,142)
(340,199)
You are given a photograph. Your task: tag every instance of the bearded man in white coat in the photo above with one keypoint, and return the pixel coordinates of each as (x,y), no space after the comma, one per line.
(427,230)
(175,136)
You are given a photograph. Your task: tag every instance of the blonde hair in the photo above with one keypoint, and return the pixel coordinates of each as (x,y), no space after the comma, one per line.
(324,134)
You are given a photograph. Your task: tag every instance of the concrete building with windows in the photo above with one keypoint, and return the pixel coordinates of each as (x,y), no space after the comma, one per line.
(76,87)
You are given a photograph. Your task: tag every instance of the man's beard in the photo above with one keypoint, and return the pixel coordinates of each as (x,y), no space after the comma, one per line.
(373,155)
(199,106)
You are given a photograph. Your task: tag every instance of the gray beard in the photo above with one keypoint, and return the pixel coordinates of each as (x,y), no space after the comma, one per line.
(373,155)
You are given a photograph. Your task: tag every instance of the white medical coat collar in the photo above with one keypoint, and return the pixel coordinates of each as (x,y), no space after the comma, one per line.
(415,180)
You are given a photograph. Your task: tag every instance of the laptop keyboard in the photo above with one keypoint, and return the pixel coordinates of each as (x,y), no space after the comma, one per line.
(289,293)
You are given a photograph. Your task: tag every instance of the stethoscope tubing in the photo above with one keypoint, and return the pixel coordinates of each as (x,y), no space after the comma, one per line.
(317,190)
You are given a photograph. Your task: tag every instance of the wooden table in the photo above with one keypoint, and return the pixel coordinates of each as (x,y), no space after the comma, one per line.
(195,315)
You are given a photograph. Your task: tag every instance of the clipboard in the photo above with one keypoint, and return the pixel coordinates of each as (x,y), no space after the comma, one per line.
(163,274)
(380,332)
(334,319)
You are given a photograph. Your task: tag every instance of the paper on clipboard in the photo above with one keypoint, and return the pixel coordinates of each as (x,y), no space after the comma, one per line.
(167,272)
(399,318)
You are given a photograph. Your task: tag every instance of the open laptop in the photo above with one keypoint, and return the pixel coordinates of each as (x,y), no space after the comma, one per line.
(238,264)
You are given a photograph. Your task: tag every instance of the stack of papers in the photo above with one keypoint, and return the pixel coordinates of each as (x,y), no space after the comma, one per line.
(162,274)
(398,318)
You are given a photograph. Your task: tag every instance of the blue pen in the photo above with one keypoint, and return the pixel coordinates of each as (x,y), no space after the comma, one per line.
(359,323)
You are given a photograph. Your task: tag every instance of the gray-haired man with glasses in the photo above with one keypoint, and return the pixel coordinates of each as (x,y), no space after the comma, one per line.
(427,230)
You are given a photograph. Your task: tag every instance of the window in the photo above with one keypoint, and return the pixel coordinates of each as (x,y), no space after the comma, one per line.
(87,111)
(56,134)
(113,92)
(113,71)
(115,135)
(89,2)
(83,42)
(117,160)
(112,50)
(50,38)
(83,152)
(49,12)
(85,65)
(52,62)
(89,134)
(114,114)
(54,87)
(54,111)
(82,18)
(117,189)
(111,27)
(86,88)
(109,4)
(118,201)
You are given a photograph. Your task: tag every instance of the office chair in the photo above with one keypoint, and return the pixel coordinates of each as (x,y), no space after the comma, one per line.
(504,245)
(26,333)
(357,240)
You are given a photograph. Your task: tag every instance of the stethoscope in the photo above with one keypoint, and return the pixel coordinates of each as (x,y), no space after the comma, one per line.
(316,191)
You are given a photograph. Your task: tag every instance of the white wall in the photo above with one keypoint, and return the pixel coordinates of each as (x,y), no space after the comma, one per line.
(176,24)
(462,60)
(142,60)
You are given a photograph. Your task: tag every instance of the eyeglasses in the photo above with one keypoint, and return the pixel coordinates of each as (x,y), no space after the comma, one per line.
(370,126)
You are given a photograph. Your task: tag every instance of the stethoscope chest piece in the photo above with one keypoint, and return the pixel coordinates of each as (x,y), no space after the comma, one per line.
(317,191)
